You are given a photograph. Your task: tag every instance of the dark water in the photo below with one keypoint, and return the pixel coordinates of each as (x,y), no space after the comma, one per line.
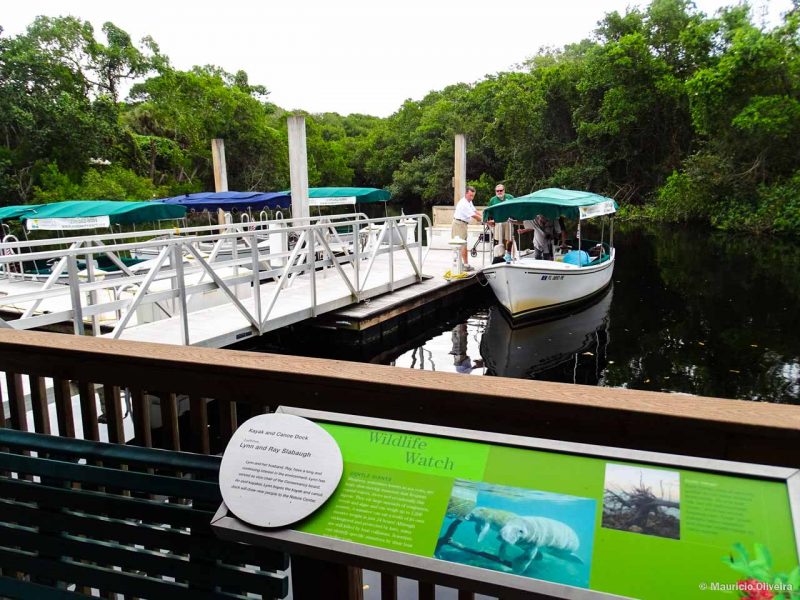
(689,311)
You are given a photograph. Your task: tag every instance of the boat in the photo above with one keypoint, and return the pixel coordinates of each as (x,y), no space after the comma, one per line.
(245,203)
(97,214)
(569,348)
(528,287)
(76,216)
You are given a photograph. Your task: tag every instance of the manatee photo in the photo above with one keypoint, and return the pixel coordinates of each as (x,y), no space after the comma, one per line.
(520,531)
(642,500)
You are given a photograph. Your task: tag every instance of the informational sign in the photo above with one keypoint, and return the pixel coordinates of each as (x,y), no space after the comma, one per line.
(512,513)
(278,469)
(336,201)
(595,210)
(68,224)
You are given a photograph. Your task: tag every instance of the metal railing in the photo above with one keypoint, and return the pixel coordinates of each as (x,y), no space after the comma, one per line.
(196,268)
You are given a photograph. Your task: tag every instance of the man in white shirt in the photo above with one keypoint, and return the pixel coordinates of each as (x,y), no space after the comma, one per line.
(465,211)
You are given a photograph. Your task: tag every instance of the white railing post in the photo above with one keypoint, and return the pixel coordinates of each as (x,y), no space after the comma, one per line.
(419,243)
(75,294)
(256,266)
(357,256)
(93,298)
(311,261)
(183,308)
(392,231)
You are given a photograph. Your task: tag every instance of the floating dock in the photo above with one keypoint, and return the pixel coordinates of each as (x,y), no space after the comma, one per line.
(211,289)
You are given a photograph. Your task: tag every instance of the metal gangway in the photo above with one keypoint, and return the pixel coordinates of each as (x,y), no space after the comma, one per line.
(212,285)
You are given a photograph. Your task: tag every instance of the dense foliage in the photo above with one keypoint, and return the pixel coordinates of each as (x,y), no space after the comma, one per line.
(679,115)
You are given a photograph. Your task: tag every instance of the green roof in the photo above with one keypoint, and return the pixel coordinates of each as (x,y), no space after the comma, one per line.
(552,203)
(118,212)
(16,211)
(362,195)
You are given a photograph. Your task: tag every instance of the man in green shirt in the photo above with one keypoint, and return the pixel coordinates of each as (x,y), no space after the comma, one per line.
(502,231)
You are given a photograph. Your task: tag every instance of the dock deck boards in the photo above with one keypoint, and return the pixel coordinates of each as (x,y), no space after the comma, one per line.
(387,306)
(223,325)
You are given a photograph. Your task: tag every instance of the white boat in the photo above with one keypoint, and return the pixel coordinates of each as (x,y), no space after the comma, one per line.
(528,287)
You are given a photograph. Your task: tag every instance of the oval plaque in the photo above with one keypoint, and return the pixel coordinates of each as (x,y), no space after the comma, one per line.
(279,468)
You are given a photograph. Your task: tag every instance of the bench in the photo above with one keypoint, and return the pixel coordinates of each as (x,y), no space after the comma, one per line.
(78,516)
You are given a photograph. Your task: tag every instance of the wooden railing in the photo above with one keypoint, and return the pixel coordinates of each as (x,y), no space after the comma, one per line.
(203,394)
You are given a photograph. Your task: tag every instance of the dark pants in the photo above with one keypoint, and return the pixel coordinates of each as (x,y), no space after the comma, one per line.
(541,255)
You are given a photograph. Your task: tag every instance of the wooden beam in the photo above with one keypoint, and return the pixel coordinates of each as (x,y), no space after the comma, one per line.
(388,586)
(64,414)
(198,415)
(113,411)
(298,165)
(41,420)
(220,168)
(91,430)
(460,168)
(170,434)
(16,401)
(140,405)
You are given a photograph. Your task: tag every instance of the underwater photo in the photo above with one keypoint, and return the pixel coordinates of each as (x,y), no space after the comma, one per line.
(519,531)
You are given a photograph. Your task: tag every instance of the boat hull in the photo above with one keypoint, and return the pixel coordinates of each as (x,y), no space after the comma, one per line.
(532,287)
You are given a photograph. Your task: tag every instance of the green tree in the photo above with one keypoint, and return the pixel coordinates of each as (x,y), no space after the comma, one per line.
(193,107)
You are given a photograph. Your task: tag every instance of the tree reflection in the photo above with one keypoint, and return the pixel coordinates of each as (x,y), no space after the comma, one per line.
(706,314)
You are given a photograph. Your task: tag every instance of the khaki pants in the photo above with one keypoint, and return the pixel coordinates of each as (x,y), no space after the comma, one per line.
(459,229)
(503,232)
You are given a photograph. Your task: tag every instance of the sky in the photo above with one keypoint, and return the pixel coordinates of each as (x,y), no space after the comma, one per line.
(629,477)
(351,56)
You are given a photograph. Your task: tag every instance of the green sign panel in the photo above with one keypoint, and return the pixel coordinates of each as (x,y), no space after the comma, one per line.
(609,525)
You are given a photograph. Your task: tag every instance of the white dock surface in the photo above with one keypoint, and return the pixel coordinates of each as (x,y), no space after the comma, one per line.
(223,325)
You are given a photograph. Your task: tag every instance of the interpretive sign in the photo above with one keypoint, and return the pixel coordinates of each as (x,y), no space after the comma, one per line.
(596,210)
(278,469)
(337,201)
(512,513)
(64,224)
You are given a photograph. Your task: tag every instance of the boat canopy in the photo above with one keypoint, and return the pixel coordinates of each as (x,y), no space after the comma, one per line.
(552,203)
(334,196)
(16,211)
(89,214)
(231,200)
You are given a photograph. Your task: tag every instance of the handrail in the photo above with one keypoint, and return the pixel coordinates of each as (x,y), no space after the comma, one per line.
(209,274)
(678,424)
(179,230)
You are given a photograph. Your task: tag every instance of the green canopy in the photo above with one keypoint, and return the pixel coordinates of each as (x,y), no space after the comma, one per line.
(361,194)
(552,203)
(16,211)
(331,196)
(91,213)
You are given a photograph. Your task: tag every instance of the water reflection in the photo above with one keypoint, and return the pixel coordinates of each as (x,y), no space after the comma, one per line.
(571,348)
(452,348)
(461,360)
